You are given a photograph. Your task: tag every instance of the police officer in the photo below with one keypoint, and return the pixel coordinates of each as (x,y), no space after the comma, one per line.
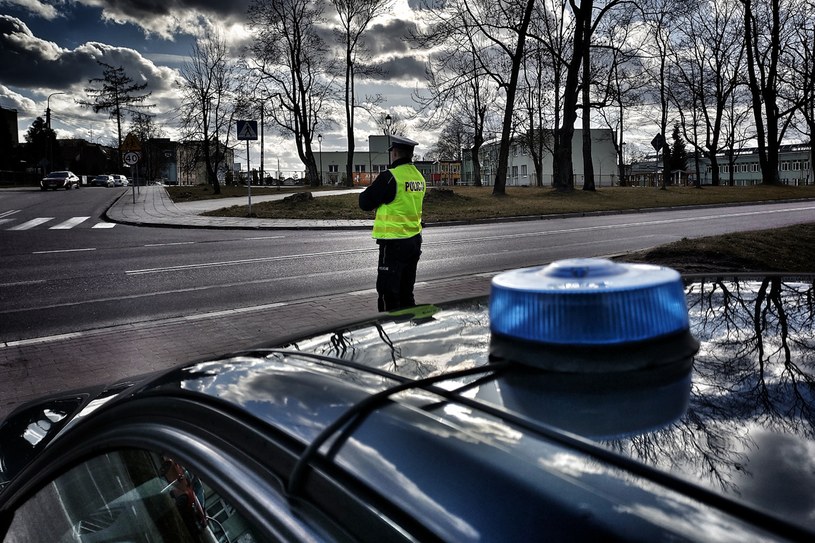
(397,195)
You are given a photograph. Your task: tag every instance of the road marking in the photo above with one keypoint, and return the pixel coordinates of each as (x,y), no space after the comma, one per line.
(32,223)
(204,265)
(615,226)
(104,225)
(63,251)
(158,323)
(169,244)
(9,212)
(22,283)
(264,237)
(70,223)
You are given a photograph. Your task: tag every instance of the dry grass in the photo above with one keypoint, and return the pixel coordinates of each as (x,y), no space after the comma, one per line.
(473,203)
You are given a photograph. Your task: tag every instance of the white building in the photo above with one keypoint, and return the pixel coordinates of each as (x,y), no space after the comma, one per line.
(521,169)
(367,162)
(794,168)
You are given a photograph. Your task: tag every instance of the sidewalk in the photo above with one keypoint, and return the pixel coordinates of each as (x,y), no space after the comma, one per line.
(32,368)
(152,206)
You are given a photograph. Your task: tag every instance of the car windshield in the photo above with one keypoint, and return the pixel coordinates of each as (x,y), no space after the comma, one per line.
(58,174)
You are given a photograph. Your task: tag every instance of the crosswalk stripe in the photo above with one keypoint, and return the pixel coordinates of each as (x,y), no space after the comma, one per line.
(70,223)
(32,223)
(65,225)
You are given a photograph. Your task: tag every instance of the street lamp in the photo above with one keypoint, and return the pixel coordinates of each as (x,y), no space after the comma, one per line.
(320,141)
(48,124)
(388,125)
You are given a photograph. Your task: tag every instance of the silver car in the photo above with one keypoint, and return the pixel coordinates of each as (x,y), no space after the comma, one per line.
(120,180)
(60,180)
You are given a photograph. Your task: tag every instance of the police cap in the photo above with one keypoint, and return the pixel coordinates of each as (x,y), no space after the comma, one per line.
(400,141)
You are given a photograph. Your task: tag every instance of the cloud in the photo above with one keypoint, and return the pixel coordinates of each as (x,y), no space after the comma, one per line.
(408,69)
(40,9)
(166,18)
(12,100)
(389,38)
(33,62)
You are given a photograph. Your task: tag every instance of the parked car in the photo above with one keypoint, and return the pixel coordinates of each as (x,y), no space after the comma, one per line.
(583,401)
(120,180)
(102,181)
(60,180)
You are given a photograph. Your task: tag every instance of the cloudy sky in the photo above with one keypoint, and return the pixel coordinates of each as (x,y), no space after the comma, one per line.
(52,46)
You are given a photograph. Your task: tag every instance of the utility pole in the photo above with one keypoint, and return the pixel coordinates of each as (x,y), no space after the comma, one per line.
(48,125)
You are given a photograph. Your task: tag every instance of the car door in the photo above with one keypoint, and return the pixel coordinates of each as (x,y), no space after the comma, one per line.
(165,470)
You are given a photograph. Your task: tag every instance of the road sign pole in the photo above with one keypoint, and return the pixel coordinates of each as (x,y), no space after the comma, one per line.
(249,177)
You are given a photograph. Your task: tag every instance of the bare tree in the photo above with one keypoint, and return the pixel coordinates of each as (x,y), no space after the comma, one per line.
(145,128)
(460,91)
(708,63)
(288,54)
(621,84)
(355,17)
(115,92)
(585,23)
(801,76)
(767,31)
(495,33)
(209,85)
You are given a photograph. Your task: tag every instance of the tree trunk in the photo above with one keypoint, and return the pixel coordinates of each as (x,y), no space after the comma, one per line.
(588,165)
(506,133)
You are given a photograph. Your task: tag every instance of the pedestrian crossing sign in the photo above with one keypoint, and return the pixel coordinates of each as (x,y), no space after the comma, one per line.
(247,130)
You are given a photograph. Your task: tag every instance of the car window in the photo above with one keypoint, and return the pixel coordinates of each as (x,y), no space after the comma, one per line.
(129,495)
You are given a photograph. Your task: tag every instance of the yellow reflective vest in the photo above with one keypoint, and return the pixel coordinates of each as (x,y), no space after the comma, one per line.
(402,218)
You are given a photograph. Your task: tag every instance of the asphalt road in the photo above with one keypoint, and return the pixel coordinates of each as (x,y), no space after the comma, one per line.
(91,274)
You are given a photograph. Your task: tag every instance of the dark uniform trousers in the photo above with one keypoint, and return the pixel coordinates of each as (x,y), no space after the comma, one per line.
(398,259)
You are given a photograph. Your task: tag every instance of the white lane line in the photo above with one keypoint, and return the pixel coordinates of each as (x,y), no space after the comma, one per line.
(104,225)
(64,251)
(264,237)
(45,339)
(9,212)
(159,323)
(204,265)
(70,223)
(22,283)
(170,244)
(32,223)
(620,225)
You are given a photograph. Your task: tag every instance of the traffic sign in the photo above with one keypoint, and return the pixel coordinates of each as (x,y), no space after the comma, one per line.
(131,143)
(131,158)
(247,130)
(658,142)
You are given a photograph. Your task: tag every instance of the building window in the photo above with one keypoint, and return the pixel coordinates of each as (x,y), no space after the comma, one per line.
(359,168)
(523,169)
(754,167)
(796,165)
(785,166)
(333,168)
(515,171)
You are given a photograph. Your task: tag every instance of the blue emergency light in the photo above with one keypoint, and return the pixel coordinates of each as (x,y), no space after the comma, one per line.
(599,347)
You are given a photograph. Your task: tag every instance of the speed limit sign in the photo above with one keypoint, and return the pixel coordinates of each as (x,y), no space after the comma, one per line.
(131,158)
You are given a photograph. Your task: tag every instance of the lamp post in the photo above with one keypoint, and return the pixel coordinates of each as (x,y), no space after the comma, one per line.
(48,125)
(320,141)
(388,125)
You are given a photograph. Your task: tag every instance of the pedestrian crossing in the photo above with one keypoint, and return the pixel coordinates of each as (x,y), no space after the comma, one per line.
(8,221)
